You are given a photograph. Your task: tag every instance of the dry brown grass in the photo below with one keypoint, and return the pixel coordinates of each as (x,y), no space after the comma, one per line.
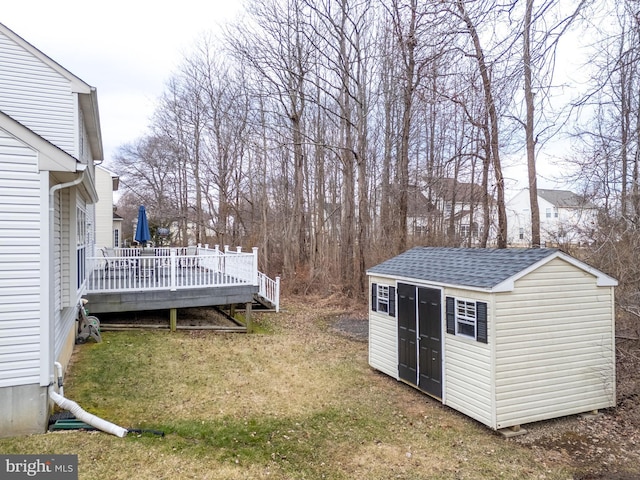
(298,402)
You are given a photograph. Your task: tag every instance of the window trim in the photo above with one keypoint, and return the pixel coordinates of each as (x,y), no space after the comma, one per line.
(383,299)
(466,314)
(479,320)
(388,299)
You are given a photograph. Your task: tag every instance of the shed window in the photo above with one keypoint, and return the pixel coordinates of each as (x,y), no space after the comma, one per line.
(467,318)
(383,299)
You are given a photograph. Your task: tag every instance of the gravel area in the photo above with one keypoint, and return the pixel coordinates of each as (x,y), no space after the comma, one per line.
(352,327)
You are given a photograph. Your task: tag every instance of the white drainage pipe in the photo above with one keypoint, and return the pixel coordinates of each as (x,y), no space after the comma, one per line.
(60,382)
(87,417)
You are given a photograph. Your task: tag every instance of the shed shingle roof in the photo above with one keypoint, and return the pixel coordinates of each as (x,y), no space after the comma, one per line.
(471,267)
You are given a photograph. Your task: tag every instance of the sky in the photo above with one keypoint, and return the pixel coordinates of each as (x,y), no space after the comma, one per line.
(127,50)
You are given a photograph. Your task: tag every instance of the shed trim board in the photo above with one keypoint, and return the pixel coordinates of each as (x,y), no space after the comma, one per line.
(550,336)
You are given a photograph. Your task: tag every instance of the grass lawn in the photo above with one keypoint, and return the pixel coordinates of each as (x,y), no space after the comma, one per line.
(297,401)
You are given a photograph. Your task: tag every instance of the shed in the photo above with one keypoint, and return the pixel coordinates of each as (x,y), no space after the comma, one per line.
(505,336)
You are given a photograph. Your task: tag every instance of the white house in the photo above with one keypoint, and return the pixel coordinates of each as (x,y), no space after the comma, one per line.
(449,206)
(108,225)
(565,218)
(49,140)
(505,336)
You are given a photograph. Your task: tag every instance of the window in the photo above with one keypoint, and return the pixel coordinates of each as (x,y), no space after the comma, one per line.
(548,213)
(468,231)
(521,234)
(81,246)
(116,238)
(467,318)
(383,299)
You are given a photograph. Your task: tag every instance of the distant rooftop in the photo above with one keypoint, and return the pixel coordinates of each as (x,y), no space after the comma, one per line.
(564,198)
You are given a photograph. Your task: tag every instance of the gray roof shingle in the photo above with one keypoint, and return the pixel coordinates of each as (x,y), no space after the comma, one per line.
(472,267)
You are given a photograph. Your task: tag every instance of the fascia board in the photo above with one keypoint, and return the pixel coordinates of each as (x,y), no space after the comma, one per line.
(603,280)
(413,280)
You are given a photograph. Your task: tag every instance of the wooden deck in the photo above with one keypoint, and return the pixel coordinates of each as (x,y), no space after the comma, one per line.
(128,280)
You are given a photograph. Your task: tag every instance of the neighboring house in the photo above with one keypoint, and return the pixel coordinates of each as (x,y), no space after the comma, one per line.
(49,139)
(505,336)
(106,233)
(565,218)
(448,206)
(118,240)
(420,212)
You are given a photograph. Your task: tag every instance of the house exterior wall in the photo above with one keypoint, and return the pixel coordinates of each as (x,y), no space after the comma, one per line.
(37,96)
(43,107)
(468,381)
(554,346)
(24,402)
(519,219)
(383,335)
(557,224)
(19,263)
(104,209)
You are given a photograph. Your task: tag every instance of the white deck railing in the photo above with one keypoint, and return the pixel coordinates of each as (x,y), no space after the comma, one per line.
(135,269)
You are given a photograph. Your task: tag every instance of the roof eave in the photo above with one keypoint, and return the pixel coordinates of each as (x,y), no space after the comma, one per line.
(89,105)
(50,157)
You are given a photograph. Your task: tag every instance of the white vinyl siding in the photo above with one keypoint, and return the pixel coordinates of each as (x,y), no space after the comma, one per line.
(19,263)
(104,231)
(383,338)
(37,96)
(467,369)
(383,344)
(555,353)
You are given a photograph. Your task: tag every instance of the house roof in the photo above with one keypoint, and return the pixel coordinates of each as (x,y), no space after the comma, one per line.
(449,189)
(564,198)
(417,203)
(475,268)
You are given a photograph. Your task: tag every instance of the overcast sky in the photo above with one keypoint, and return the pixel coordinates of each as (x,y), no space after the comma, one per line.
(126,49)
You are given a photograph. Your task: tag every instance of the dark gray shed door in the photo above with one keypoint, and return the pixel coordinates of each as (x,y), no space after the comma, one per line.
(407,334)
(430,341)
(420,338)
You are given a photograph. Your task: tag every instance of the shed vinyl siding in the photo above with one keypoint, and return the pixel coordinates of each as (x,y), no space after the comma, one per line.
(19,263)
(383,344)
(383,334)
(467,367)
(555,353)
(37,96)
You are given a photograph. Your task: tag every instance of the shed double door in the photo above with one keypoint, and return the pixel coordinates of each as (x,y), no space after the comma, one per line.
(420,338)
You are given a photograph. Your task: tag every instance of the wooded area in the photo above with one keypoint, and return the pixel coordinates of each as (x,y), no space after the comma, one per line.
(308,127)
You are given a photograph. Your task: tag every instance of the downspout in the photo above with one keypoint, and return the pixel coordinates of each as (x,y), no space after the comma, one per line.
(79,413)
(52,280)
(58,398)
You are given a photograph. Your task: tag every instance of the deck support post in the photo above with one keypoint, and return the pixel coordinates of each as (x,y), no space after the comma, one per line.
(173,319)
(247,315)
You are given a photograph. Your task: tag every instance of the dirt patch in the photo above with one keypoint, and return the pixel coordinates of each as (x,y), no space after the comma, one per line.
(192,317)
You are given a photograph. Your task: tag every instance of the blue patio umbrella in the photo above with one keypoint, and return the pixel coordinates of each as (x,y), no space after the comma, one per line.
(142,229)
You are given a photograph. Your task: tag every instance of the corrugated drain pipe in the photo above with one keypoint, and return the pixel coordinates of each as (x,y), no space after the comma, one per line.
(82,415)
